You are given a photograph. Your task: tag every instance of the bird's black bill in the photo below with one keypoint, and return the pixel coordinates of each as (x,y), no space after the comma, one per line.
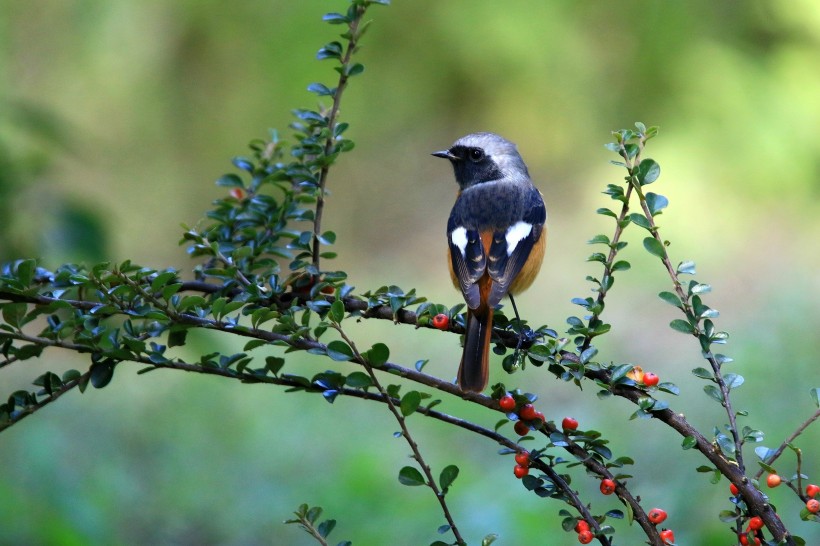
(445,154)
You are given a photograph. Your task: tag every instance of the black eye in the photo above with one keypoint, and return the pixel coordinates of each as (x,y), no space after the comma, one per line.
(475,154)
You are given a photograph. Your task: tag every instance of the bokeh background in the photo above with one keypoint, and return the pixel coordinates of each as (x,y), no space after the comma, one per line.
(117,116)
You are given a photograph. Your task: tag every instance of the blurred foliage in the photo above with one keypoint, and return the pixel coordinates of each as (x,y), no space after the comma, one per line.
(115,118)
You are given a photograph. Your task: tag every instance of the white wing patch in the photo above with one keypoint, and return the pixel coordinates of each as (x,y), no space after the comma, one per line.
(515,234)
(459,238)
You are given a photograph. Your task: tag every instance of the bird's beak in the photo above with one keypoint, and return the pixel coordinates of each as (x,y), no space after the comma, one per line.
(445,154)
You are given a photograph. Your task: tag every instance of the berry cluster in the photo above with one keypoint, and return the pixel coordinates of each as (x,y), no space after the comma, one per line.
(812,505)
(648,379)
(528,416)
(585,536)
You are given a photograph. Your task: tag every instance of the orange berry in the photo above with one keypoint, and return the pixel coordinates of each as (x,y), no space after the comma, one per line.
(755,523)
(667,536)
(582,525)
(773,480)
(812,490)
(733,488)
(585,536)
(607,486)
(813,506)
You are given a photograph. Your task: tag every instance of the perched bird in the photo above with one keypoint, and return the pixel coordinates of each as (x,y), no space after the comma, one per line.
(496,239)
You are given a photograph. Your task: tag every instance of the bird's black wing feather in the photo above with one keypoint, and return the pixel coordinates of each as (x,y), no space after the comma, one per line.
(503,264)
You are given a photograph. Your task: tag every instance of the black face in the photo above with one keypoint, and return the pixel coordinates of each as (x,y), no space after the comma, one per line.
(473,166)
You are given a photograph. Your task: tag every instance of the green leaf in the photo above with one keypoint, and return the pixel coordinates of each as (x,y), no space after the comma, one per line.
(733,380)
(337,311)
(640,220)
(654,247)
(656,203)
(689,442)
(101,373)
(335,18)
(354,70)
(339,350)
(410,476)
(621,265)
(703,373)
(648,171)
(815,395)
(713,392)
(681,325)
(13,314)
(670,298)
(765,454)
(326,527)
(447,477)
(230,181)
(687,268)
(358,380)
(378,354)
(410,402)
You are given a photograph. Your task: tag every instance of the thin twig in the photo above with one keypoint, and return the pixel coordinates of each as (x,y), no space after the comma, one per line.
(331,126)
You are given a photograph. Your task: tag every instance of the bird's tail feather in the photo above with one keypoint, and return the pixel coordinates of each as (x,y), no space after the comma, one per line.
(474,371)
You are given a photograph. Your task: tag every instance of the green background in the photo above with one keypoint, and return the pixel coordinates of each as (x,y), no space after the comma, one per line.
(117,116)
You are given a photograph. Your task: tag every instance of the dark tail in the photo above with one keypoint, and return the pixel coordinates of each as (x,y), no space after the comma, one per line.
(474,371)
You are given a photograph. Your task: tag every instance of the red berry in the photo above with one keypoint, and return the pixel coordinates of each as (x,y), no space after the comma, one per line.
(650,379)
(540,417)
(773,480)
(812,490)
(507,403)
(667,536)
(520,471)
(521,428)
(523,458)
(527,412)
(607,486)
(813,506)
(569,423)
(744,540)
(733,488)
(237,193)
(755,523)
(585,536)
(657,515)
(582,525)
(441,321)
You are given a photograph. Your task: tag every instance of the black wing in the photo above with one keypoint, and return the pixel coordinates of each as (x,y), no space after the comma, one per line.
(511,248)
(467,257)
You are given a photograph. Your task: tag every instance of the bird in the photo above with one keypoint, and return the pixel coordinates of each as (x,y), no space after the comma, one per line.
(496,238)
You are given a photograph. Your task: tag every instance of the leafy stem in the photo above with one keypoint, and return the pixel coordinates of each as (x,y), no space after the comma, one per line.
(346,70)
(405,431)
